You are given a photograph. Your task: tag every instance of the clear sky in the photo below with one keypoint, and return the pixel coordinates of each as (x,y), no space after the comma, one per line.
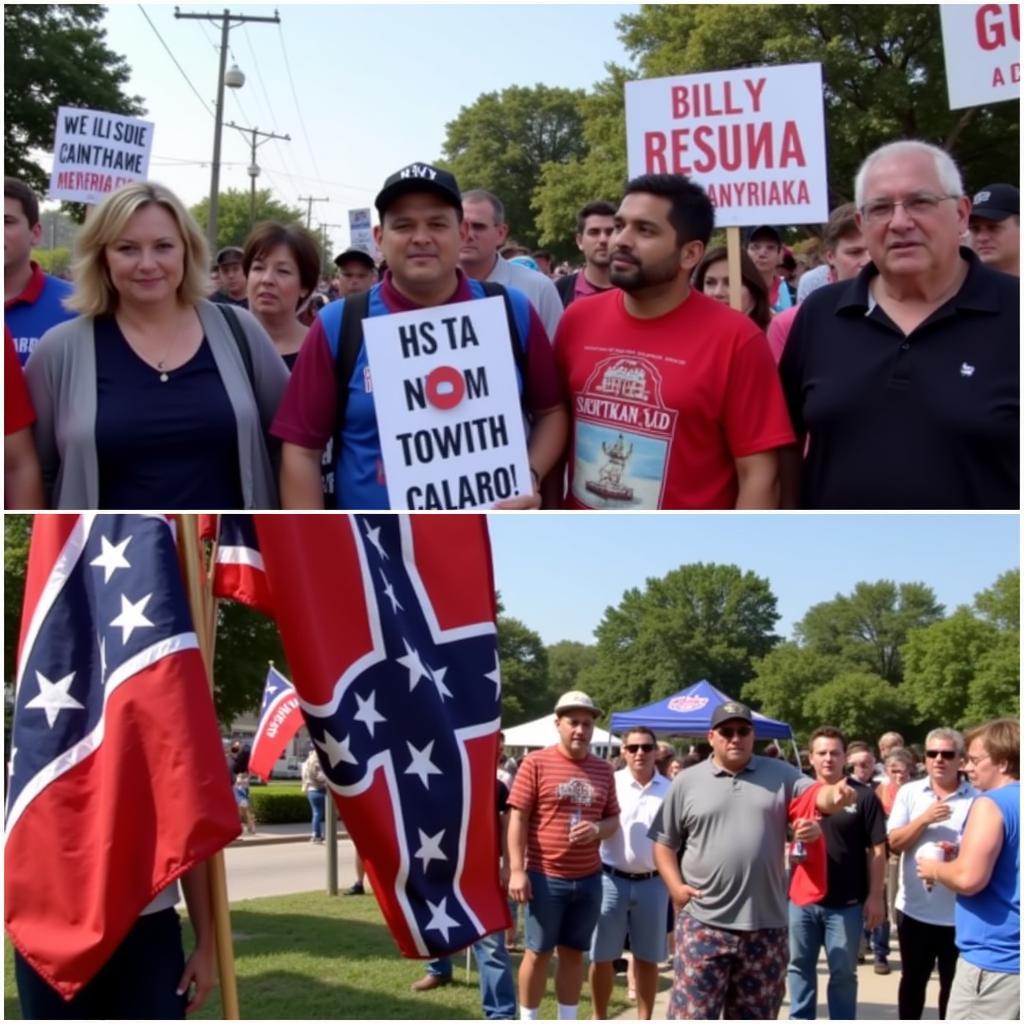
(559,572)
(362,90)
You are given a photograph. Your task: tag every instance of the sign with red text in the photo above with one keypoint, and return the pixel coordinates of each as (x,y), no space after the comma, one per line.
(95,153)
(754,138)
(982,47)
(447,403)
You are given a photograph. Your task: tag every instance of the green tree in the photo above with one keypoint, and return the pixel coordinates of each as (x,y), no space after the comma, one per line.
(17,532)
(868,627)
(501,141)
(233,221)
(1000,604)
(994,691)
(55,55)
(524,672)
(699,621)
(567,661)
(784,679)
(862,704)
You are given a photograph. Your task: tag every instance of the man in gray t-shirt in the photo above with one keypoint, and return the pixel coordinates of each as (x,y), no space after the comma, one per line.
(729,815)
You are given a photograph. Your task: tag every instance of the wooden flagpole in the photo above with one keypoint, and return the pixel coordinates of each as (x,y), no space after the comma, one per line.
(732,242)
(199,587)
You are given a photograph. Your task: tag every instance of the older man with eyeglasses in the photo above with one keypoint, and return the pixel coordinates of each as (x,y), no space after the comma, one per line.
(903,382)
(927,818)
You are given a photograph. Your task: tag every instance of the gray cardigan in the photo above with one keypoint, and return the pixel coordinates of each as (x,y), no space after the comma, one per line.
(61,377)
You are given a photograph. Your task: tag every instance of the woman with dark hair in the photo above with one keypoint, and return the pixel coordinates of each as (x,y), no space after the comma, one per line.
(712,278)
(282,268)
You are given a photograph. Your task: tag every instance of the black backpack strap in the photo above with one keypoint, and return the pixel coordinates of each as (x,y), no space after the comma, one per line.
(566,288)
(350,338)
(240,340)
(492,288)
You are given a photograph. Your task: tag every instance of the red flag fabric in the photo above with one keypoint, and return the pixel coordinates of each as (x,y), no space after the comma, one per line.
(280,719)
(389,626)
(238,573)
(809,880)
(118,782)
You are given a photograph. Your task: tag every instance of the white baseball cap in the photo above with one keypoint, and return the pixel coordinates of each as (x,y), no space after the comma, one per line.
(576,699)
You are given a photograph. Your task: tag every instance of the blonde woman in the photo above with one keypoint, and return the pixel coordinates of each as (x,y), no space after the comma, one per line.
(314,785)
(153,397)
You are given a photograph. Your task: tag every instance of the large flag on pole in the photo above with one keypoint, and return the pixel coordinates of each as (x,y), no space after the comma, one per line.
(118,783)
(238,572)
(280,719)
(389,626)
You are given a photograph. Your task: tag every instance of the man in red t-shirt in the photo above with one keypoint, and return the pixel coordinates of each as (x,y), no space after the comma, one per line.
(675,401)
(563,804)
(23,479)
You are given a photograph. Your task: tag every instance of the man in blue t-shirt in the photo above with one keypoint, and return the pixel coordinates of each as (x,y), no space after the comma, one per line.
(32,299)
(419,236)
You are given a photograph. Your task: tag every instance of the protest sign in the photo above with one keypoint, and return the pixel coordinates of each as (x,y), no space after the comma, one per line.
(360,232)
(95,153)
(754,138)
(448,412)
(982,48)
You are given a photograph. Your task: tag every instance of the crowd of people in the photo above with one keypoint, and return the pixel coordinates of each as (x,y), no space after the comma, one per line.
(742,868)
(889,377)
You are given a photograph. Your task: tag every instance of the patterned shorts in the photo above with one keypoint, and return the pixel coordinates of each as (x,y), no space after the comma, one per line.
(741,975)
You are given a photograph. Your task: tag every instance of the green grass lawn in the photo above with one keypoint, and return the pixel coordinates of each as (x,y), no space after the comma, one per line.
(316,956)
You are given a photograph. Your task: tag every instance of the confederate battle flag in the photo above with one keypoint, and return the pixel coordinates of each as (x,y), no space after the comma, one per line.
(389,626)
(118,784)
(238,572)
(280,719)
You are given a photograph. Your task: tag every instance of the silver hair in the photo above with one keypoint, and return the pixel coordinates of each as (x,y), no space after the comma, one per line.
(953,735)
(900,754)
(945,168)
(481,195)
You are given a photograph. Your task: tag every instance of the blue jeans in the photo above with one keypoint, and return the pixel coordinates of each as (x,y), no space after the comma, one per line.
(838,930)
(878,940)
(497,989)
(317,799)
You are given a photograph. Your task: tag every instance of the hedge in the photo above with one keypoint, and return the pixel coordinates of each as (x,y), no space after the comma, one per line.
(272,807)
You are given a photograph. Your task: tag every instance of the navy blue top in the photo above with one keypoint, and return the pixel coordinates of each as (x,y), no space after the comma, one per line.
(162,445)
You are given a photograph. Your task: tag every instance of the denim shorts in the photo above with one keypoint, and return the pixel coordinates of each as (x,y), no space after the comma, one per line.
(562,911)
(635,910)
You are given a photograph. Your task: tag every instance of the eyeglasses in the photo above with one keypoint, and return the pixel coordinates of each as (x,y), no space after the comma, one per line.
(946,755)
(632,748)
(728,732)
(880,211)
(975,761)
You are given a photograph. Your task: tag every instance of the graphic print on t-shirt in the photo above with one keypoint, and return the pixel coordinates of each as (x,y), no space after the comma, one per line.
(623,436)
(577,791)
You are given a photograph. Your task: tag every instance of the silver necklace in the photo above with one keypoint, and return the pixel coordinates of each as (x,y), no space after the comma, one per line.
(164,377)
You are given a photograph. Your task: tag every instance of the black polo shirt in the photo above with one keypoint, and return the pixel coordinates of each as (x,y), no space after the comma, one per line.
(928,420)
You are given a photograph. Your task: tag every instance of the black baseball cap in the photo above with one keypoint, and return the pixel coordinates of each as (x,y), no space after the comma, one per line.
(766,231)
(729,710)
(229,254)
(355,254)
(996,202)
(419,178)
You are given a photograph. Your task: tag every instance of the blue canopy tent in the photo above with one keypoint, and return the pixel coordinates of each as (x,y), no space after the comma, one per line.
(688,713)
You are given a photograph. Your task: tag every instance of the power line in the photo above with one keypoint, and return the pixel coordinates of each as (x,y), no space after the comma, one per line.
(298,107)
(175,59)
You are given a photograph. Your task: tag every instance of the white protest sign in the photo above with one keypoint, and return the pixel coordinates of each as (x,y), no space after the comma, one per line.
(360,232)
(754,138)
(95,153)
(982,47)
(448,413)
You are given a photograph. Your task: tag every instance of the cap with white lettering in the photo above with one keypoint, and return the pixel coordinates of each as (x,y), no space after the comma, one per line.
(996,202)
(419,178)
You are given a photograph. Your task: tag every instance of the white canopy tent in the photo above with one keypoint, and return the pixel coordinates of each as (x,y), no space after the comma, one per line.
(541,732)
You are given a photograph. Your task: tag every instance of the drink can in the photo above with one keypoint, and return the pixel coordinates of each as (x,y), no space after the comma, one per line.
(797,852)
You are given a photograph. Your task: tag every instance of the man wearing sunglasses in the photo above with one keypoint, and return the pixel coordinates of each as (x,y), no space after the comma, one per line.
(634,899)
(729,815)
(927,818)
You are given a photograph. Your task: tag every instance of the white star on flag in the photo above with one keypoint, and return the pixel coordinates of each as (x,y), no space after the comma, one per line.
(373,536)
(336,750)
(131,617)
(411,661)
(53,698)
(389,592)
(437,678)
(367,713)
(430,847)
(112,558)
(421,764)
(439,920)
(495,675)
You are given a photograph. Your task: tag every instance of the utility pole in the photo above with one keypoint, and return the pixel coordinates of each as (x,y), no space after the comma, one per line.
(227,22)
(254,169)
(310,200)
(325,262)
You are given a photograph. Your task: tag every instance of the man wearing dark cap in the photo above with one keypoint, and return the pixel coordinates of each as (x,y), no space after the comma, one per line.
(231,276)
(357,273)
(764,247)
(728,814)
(419,236)
(994,225)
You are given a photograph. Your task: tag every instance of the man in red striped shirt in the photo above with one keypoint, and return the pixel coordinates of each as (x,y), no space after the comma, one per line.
(563,804)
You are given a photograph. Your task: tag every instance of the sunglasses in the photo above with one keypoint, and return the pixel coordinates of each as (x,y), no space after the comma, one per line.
(632,748)
(946,755)
(728,732)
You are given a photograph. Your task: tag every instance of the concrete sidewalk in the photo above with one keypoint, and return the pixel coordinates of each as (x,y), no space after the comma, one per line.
(292,832)
(876,994)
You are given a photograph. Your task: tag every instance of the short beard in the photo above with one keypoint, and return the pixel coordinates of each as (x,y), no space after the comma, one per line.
(639,277)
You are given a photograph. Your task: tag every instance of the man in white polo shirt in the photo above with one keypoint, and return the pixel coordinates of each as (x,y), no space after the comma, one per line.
(927,817)
(634,899)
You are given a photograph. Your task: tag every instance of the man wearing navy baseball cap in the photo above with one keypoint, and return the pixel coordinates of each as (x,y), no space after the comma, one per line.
(994,225)
(330,394)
